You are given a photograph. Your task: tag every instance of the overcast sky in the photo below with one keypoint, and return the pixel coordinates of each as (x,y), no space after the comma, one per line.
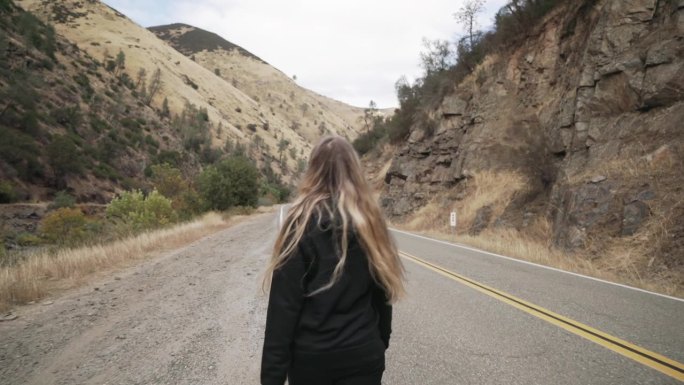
(350,50)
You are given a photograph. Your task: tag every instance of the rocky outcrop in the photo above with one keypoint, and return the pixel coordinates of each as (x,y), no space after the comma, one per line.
(589,108)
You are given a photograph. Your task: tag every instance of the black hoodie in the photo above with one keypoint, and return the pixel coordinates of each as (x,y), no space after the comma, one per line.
(341,325)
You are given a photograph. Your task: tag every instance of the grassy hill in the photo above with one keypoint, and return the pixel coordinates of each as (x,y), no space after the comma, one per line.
(91,100)
(69,123)
(237,118)
(308,114)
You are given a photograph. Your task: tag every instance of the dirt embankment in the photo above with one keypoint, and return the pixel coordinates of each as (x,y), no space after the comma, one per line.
(192,316)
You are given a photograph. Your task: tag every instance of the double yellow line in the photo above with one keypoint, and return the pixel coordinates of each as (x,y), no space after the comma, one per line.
(643,356)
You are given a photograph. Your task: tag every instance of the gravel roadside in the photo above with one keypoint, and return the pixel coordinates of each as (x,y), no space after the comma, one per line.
(191,316)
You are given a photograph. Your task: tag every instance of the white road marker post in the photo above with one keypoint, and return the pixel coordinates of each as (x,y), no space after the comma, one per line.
(452,221)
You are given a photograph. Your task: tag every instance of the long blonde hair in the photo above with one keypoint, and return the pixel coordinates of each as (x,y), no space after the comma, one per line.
(334,183)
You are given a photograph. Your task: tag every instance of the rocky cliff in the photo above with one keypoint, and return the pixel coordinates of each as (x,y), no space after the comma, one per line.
(588,112)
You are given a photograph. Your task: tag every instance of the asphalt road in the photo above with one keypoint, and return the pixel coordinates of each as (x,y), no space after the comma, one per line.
(196,315)
(449,333)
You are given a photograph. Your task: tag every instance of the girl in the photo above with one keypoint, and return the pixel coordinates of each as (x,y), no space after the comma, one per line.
(335,272)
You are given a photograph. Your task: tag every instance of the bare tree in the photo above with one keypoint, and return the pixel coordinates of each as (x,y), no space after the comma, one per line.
(369,114)
(154,87)
(142,74)
(437,57)
(467,16)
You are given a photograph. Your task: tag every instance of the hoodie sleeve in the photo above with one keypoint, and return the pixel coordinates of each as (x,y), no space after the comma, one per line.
(384,310)
(284,306)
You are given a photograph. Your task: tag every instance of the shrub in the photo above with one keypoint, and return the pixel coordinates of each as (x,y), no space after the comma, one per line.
(134,211)
(189,204)
(30,123)
(7,193)
(173,158)
(232,182)
(65,226)
(168,180)
(20,151)
(62,199)
(69,117)
(99,125)
(84,82)
(28,239)
(65,156)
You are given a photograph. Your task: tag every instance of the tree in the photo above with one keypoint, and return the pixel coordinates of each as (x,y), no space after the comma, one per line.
(65,156)
(232,182)
(64,226)
(136,212)
(168,180)
(165,108)
(141,83)
(467,16)
(437,57)
(154,87)
(282,146)
(120,62)
(369,115)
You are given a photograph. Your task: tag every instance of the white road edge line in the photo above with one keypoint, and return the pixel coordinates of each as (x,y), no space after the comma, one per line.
(280,218)
(537,265)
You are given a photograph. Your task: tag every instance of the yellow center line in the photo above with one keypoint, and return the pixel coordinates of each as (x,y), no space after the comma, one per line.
(643,356)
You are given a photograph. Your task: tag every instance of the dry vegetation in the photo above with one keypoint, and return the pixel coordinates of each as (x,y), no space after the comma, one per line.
(44,273)
(481,190)
(623,260)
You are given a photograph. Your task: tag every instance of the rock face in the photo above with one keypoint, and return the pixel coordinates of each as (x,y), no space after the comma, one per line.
(590,108)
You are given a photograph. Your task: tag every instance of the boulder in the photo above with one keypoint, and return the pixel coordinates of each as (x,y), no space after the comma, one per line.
(633,215)
(481,221)
(453,106)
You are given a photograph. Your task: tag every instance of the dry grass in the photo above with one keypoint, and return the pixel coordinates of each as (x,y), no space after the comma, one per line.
(483,189)
(626,260)
(46,272)
(657,164)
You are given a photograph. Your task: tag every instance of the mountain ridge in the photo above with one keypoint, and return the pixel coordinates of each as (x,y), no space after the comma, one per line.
(197,40)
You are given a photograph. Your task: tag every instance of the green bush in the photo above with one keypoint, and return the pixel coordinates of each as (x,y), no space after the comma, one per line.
(62,199)
(133,211)
(19,150)
(69,117)
(173,158)
(65,226)
(36,33)
(28,239)
(7,193)
(168,180)
(105,171)
(30,123)
(232,182)
(86,88)
(64,156)
(6,5)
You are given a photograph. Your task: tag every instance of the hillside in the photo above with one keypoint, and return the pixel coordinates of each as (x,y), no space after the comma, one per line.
(304,111)
(568,132)
(237,117)
(68,123)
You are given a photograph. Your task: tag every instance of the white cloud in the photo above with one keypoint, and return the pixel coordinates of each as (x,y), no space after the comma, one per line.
(352,50)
